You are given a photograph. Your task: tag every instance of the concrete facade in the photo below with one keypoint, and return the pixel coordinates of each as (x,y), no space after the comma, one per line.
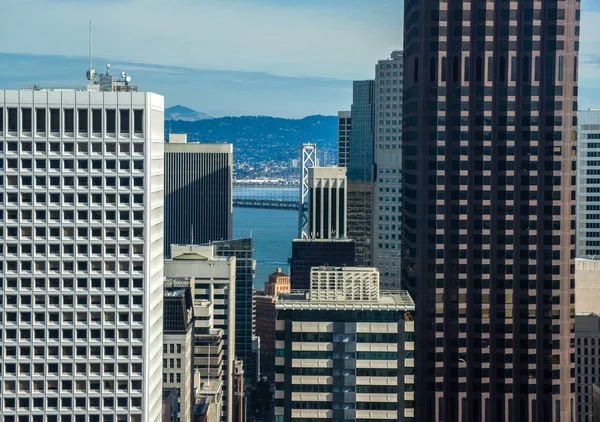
(587,286)
(81,291)
(327,202)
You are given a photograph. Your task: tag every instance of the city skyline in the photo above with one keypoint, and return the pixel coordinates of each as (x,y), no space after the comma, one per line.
(249,83)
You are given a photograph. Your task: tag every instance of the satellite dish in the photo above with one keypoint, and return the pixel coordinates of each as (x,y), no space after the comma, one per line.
(91,74)
(123,74)
(128,78)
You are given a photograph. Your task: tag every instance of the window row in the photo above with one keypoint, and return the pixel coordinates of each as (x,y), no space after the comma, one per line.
(68,182)
(82,166)
(68,148)
(69,215)
(68,121)
(69,334)
(66,283)
(70,249)
(43,198)
(68,233)
(70,266)
(25,317)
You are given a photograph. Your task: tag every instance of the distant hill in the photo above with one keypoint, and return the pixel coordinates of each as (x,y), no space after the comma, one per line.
(264,146)
(186,114)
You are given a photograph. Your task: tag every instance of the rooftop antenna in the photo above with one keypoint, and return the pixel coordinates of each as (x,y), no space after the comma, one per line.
(91,74)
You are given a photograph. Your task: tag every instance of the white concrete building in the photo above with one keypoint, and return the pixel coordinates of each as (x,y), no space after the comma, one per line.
(387,180)
(588,183)
(213,280)
(81,210)
(587,286)
(344,350)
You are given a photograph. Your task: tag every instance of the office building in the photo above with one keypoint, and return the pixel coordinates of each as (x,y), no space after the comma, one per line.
(278,283)
(344,129)
(170,405)
(212,279)
(178,348)
(81,247)
(345,350)
(239,393)
(588,183)
(327,202)
(308,253)
(587,362)
(243,250)
(587,286)
(360,148)
(387,178)
(358,216)
(488,188)
(198,192)
(208,401)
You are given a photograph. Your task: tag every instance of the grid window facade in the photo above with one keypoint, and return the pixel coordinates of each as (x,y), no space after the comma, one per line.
(73,262)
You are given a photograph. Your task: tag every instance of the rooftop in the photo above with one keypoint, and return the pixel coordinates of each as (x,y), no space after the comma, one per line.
(393,300)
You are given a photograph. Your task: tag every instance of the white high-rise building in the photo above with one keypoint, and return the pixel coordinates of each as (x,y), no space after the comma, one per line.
(387,180)
(81,208)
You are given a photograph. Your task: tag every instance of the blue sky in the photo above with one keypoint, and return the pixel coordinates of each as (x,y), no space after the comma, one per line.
(287,58)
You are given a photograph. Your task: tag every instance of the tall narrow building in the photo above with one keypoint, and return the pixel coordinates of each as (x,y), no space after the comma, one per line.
(198,192)
(81,288)
(588,184)
(327,202)
(344,130)
(387,170)
(488,218)
(360,169)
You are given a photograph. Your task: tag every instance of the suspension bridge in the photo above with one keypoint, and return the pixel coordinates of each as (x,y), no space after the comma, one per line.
(282,197)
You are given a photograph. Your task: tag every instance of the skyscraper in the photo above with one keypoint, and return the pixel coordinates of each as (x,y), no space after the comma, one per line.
(344,130)
(327,202)
(243,250)
(198,192)
(212,279)
(387,174)
(360,169)
(488,223)
(588,183)
(81,287)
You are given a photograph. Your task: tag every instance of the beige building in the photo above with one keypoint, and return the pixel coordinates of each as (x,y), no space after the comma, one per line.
(213,280)
(587,286)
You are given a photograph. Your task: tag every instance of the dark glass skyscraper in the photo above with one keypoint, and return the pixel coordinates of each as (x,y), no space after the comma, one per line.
(243,250)
(198,192)
(490,100)
(360,147)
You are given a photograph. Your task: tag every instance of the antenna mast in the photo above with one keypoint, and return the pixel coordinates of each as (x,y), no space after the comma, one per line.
(90,48)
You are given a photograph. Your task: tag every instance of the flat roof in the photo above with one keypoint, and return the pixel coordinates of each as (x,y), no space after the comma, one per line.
(197,147)
(393,300)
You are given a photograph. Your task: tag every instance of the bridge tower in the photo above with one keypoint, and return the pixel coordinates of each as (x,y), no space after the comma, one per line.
(308,159)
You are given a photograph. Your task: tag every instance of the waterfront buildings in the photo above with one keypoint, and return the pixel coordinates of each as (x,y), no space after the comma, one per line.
(327,198)
(278,283)
(344,350)
(588,183)
(489,111)
(178,348)
(198,192)
(308,253)
(243,251)
(81,287)
(212,279)
(587,362)
(344,130)
(387,175)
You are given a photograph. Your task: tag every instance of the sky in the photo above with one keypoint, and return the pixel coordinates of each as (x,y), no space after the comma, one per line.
(288,58)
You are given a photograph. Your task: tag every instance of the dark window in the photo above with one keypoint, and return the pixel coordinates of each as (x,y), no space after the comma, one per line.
(26,123)
(138,121)
(69,120)
(432,68)
(82,120)
(124,115)
(1,119)
(467,69)
(111,123)
(12,119)
(40,120)
(54,120)
(96,121)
